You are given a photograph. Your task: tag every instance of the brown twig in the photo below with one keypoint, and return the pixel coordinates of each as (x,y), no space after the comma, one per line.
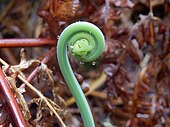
(27,42)
(44,61)
(99,94)
(10,103)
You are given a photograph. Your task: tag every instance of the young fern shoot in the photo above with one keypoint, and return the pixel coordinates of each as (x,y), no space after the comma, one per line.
(85,42)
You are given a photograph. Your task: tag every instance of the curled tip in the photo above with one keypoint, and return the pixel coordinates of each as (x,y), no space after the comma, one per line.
(85,41)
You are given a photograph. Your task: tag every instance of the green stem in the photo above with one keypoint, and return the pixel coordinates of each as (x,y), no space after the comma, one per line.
(85,42)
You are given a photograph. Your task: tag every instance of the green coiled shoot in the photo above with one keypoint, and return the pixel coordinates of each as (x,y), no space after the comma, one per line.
(85,43)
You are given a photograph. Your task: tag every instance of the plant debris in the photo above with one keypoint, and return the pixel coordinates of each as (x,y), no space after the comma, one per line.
(128,86)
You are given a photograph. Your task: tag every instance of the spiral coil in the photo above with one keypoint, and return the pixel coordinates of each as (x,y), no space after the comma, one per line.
(85,42)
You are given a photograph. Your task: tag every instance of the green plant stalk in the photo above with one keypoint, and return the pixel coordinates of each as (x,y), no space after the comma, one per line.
(85,42)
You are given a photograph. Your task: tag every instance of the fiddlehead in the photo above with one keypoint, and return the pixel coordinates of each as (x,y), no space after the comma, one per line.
(85,42)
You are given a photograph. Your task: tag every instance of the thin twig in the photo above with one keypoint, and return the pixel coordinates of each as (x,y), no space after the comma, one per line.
(10,103)
(27,42)
(44,61)
(98,94)
(37,92)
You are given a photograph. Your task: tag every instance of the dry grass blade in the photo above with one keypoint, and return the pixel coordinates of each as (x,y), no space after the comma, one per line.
(20,98)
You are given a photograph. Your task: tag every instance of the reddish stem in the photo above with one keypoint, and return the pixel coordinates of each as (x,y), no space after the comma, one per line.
(27,42)
(10,103)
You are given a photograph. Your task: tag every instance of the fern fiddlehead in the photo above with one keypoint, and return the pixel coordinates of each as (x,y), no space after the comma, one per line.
(85,42)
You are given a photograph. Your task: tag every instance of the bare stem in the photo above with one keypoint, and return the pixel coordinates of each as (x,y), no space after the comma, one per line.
(27,42)
(10,103)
